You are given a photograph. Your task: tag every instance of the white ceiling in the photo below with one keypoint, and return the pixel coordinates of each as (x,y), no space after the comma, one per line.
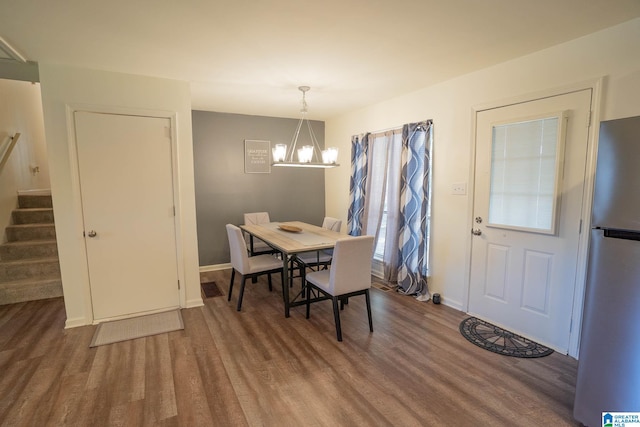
(249,56)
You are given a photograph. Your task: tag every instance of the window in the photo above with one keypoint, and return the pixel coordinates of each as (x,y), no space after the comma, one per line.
(378,252)
(385,150)
(525,173)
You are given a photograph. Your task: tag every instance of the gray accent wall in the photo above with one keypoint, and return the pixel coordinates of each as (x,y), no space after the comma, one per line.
(224,192)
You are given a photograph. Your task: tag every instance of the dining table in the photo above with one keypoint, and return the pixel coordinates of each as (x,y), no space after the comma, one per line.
(291,238)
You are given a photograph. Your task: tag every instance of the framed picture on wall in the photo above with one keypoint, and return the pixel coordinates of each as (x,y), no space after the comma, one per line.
(257,156)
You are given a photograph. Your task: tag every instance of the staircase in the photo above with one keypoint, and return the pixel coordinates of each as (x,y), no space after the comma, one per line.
(29,267)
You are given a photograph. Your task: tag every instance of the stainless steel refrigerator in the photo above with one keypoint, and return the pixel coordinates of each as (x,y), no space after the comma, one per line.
(609,359)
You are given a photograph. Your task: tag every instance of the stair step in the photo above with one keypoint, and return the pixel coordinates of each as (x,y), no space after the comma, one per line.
(35,201)
(32,268)
(33,216)
(21,232)
(28,249)
(29,266)
(29,290)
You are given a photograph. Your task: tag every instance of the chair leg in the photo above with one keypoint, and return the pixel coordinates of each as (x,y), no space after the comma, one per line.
(336,315)
(308,290)
(270,287)
(244,280)
(366,294)
(233,275)
(282,282)
(293,265)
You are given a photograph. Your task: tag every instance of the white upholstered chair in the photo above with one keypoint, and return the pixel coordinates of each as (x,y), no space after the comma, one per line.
(349,275)
(318,258)
(333,224)
(248,267)
(254,245)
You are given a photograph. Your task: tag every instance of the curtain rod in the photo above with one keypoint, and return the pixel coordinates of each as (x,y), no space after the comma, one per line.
(395,128)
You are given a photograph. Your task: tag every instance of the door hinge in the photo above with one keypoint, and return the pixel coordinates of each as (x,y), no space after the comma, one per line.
(178,284)
(589,118)
(580,227)
(174,210)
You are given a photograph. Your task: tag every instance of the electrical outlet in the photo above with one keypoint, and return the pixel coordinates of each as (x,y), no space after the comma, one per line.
(459,188)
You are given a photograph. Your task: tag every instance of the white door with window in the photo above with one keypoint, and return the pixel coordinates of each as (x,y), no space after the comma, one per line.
(529,182)
(126,186)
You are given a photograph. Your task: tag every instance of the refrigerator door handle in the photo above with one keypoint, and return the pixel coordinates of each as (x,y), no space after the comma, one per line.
(622,234)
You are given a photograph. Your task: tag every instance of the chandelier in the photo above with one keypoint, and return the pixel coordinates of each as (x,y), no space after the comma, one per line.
(308,155)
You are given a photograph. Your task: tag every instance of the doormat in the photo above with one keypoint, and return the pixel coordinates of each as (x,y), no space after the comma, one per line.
(498,340)
(137,327)
(210,290)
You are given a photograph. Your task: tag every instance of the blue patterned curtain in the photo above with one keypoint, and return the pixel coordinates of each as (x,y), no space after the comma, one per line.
(358,184)
(405,183)
(414,209)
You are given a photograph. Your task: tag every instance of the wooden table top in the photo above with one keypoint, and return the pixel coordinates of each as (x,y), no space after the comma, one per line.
(290,242)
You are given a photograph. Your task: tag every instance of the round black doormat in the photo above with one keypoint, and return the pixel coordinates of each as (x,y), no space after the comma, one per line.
(498,340)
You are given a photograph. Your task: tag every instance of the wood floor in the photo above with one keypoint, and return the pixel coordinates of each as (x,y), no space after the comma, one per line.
(256,368)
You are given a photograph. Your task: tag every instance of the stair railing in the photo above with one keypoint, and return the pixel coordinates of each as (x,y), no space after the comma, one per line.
(6,148)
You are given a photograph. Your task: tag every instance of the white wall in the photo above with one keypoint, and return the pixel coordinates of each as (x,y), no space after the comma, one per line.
(21,111)
(612,54)
(64,86)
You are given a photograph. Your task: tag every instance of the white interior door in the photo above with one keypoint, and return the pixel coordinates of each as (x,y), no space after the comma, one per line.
(527,215)
(126,187)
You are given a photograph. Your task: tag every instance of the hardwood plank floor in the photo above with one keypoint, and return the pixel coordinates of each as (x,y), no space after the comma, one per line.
(256,368)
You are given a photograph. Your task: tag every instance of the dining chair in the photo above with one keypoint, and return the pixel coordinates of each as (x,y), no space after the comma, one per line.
(254,245)
(348,276)
(248,267)
(317,259)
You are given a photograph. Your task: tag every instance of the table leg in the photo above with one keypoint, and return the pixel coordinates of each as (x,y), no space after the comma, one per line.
(285,283)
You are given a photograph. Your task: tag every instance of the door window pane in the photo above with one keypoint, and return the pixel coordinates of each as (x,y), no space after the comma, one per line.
(525,165)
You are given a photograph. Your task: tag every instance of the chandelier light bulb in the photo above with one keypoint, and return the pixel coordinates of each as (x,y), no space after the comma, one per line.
(305,154)
(279,152)
(330,155)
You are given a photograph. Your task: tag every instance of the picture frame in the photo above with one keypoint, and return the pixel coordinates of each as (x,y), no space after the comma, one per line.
(257,156)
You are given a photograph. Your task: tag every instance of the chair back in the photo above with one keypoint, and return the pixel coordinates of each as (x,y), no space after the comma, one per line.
(351,265)
(333,224)
(256,218)
(238,250)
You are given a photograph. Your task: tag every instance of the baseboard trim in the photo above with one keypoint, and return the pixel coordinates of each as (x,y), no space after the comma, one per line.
(192,303)
(76,322)
(215,267)
(36,192)
(453,304)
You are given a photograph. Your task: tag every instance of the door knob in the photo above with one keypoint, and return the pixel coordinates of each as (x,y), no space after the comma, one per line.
(92,233)
(476,232)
